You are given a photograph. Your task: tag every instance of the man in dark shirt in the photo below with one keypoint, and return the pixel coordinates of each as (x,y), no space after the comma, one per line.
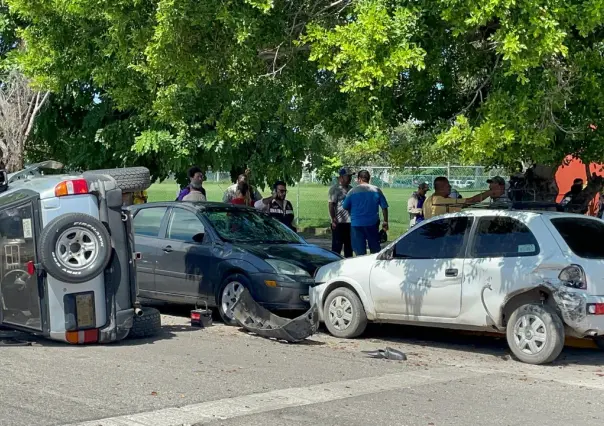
(277,206)
(195,181)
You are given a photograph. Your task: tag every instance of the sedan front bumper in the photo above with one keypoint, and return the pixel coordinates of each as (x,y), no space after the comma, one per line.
(279,292)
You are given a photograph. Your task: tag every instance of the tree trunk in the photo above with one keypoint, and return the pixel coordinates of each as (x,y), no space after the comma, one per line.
(19,107)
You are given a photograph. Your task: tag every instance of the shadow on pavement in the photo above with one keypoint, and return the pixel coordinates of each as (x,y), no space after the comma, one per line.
(466,341)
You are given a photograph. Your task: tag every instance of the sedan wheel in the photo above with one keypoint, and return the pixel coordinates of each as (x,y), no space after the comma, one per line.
(344,314)
(229,294)
(535,334)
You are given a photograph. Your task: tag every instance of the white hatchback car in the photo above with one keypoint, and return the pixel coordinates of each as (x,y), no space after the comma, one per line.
(536,276)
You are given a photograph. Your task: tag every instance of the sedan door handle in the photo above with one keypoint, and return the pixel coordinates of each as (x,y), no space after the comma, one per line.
(451,273)
(167,249)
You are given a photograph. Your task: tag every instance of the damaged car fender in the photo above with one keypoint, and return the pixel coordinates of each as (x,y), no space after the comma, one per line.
(328,279)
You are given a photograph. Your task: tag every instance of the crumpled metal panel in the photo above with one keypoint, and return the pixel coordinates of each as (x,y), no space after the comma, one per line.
(256,319)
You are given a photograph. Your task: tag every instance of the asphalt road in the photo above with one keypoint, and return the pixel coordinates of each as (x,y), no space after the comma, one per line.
(223,376)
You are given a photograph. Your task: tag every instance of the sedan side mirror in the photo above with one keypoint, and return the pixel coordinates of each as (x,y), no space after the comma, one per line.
(198,238)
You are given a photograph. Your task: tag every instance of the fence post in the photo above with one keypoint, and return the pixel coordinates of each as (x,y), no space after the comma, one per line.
(298,204)
(448,170)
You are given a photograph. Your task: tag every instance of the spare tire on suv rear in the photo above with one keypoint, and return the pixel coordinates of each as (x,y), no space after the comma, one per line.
(75,248)
(129,179)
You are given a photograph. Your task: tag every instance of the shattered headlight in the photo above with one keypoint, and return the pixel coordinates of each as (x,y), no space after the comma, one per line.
(573,276)
(286,268)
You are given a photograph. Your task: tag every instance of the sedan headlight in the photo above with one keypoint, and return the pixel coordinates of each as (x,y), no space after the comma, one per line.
(286,268)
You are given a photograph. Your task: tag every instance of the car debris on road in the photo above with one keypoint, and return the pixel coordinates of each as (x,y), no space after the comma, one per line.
(256,319)
(388,353)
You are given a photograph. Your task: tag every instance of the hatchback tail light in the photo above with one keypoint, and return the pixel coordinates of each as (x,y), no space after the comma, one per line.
(71,187)
(573,276)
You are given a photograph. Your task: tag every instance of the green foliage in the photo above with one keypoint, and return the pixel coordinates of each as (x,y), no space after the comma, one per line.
(276,85)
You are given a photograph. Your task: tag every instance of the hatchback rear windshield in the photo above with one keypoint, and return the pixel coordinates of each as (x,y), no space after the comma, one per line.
(585,237)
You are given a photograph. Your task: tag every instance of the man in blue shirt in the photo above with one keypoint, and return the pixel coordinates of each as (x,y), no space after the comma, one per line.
(364,202)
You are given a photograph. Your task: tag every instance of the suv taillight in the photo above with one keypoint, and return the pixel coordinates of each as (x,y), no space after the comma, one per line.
(573,276)
(71,187)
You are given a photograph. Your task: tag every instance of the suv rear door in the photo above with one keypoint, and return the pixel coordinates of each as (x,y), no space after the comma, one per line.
(20,287)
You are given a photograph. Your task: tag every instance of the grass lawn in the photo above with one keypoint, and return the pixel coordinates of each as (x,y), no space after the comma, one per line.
(309,201)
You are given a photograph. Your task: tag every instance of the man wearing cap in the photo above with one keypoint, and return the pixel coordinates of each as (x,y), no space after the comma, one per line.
(415,204)
(497,186)
(340,218)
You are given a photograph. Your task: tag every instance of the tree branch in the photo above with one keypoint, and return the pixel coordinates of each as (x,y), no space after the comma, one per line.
(484,83)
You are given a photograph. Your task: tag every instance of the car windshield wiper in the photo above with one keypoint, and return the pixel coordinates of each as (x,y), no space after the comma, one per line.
(278,242)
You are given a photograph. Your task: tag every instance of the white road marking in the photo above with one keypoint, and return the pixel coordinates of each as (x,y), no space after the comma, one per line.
(285,398)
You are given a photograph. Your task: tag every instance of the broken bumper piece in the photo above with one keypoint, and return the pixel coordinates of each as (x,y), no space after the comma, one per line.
(256,319)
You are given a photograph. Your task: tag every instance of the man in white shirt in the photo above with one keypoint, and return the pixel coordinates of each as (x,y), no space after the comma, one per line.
(415,204)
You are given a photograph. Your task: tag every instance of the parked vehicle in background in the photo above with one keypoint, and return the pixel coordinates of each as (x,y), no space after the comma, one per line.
(535,276)
(67,262)
(209,252)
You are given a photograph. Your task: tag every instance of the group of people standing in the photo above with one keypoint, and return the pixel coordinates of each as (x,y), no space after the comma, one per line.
(354,211)
(242,193)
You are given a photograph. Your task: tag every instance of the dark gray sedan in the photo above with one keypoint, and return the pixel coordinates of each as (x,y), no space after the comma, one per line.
(208,252)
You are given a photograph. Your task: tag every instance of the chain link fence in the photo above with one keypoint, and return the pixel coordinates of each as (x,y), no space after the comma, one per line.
(310,196)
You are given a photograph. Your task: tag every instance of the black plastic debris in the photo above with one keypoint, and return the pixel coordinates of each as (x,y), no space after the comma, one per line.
(256,319)
(388,353)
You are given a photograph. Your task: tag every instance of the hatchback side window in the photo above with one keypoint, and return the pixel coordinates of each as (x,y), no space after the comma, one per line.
(503,237)
(147,222)
(441,239)
(184,225)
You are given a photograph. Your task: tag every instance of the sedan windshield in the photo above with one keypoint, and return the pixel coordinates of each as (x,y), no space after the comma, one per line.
(248,226)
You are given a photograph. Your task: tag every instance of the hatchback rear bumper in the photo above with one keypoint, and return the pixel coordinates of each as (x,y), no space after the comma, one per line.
(577,316)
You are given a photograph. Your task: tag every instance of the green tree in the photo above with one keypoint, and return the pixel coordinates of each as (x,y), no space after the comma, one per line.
(261,82)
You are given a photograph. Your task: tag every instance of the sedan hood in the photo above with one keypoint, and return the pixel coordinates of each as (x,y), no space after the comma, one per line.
(306,256)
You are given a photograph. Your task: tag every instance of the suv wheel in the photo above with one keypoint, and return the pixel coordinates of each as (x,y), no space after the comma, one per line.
(147,325)
(535,334)
(75,248)
(128,179)
(344,314)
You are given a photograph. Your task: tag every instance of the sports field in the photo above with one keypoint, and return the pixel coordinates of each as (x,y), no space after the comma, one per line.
(309,201)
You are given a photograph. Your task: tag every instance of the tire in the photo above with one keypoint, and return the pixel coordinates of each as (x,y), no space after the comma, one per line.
(532,320)
(599,341)
(147,325)
(64,236)
(343,301)
(129,179)
(237,282)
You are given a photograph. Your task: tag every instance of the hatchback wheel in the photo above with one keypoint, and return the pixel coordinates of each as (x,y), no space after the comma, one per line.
(535,334)
(344,314)
(228,294)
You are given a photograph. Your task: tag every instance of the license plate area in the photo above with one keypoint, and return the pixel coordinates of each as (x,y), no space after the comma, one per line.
(80,311)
